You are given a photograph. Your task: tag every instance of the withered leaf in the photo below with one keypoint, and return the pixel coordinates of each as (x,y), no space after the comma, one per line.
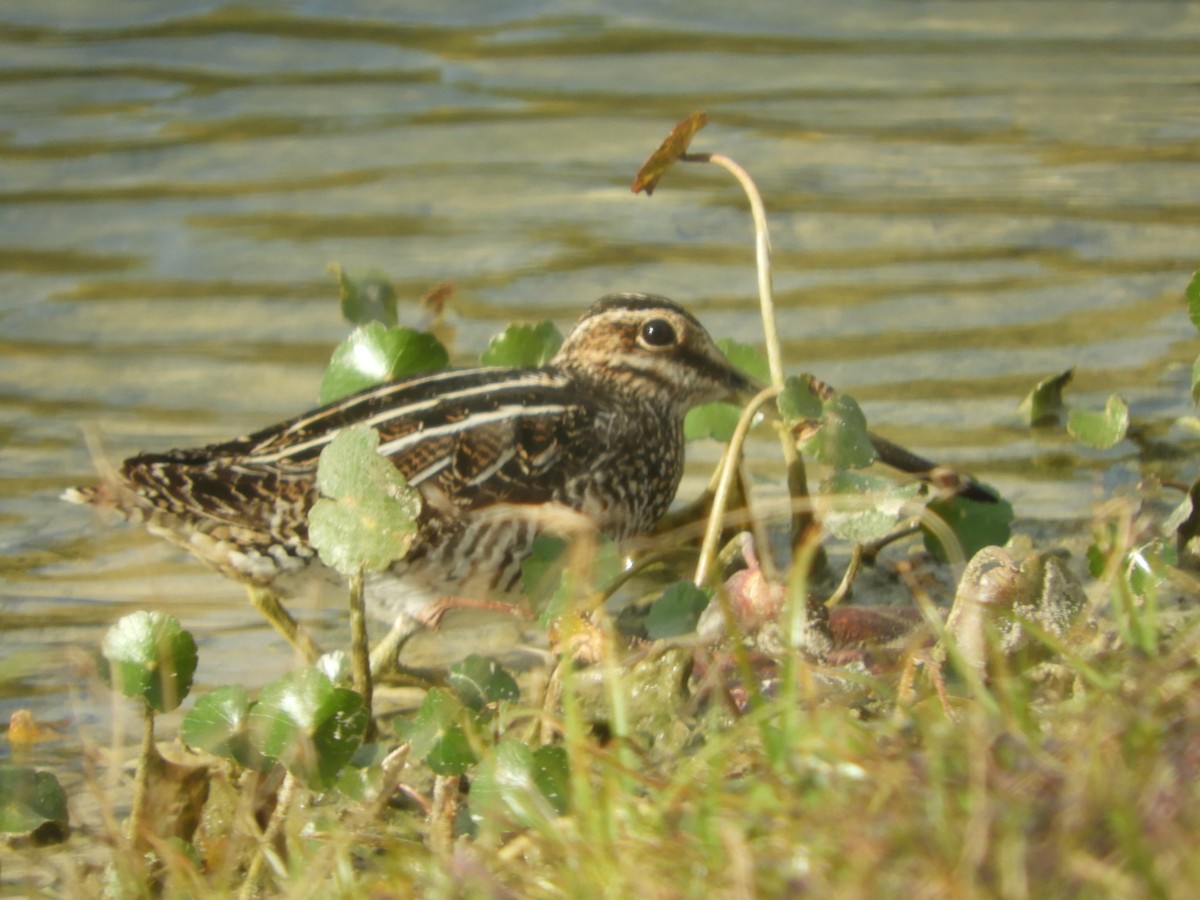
(671,149)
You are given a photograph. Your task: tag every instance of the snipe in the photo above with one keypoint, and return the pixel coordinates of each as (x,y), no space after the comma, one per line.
(599,430)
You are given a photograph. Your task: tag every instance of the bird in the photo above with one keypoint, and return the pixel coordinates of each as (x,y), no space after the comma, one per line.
(598,431)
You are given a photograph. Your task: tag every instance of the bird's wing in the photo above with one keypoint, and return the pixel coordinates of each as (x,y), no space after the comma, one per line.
(475,436)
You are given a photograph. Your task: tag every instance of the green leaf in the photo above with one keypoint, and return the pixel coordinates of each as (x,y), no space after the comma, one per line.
(542,568)
(373,354)
(841,439)
(1100,429)
(1196,381)
(371,520)
(1044,404)
(478,682)
(150,657)
(1192,293)
(219,724)
(310,726)
(677,611)
(29,800)
(437,734)
(976,525)
(715,420)
(548,582)
(518,786)
(369,298)
(718,420)
(523,346)
(855,521)
(1148,566)
(552,772)
(799,400)
(746,357)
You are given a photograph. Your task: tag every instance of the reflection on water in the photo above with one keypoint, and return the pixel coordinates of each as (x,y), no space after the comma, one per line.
(964,199)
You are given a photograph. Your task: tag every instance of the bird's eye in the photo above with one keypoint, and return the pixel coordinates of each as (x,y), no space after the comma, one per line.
(658,333)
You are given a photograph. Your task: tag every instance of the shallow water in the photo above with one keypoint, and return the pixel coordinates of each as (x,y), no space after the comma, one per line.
(964,198)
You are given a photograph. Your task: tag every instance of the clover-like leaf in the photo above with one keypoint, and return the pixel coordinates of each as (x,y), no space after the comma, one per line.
(523,346)
(719,419)
(676,611)
(374,353)
(855,521)
(829,425)
(218,723)
(478,681)
(310,726)
(366,298)
(800,400)
(1044,404)
(150,657)
(547,580)
(552,773)
(368,519)
(1100,429)
(976,525)
(675,145)
(507,787)
(30,801)
(1192,293)
(1148,566)
(716,420)
(437,736)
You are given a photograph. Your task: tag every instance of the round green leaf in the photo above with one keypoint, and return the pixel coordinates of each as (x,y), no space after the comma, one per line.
(1196,381)
(308,725)
(219,724)
(478,682)
(367,298)
(371,522)
(853,521)
(746,357)
(552,773)
(452,754)
(842,439)
(799,401)
(151,657)
(506,788)
(523,346)
(436,734)
(1044,404)
(677,611)
(373,354)
(711,420)
(29,800)
(1192,293)
(1102,429)
(976,525)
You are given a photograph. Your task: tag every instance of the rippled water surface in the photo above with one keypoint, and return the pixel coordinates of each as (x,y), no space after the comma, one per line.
(964,198)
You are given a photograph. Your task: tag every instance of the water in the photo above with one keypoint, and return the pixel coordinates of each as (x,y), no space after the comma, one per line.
(964,199)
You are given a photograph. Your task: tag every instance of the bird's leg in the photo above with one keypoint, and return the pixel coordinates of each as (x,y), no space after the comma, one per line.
(267,603)
(432,617)
(385,653)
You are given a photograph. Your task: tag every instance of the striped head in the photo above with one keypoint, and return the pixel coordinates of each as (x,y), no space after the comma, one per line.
(649,346)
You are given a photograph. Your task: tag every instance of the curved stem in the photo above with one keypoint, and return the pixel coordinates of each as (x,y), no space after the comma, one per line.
(802,520)
(729,464)
(762,246)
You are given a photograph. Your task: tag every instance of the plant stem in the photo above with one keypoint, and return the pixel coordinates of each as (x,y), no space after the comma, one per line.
(729,465)
(147,760)
(278,817)
(802,518)
(360,651)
